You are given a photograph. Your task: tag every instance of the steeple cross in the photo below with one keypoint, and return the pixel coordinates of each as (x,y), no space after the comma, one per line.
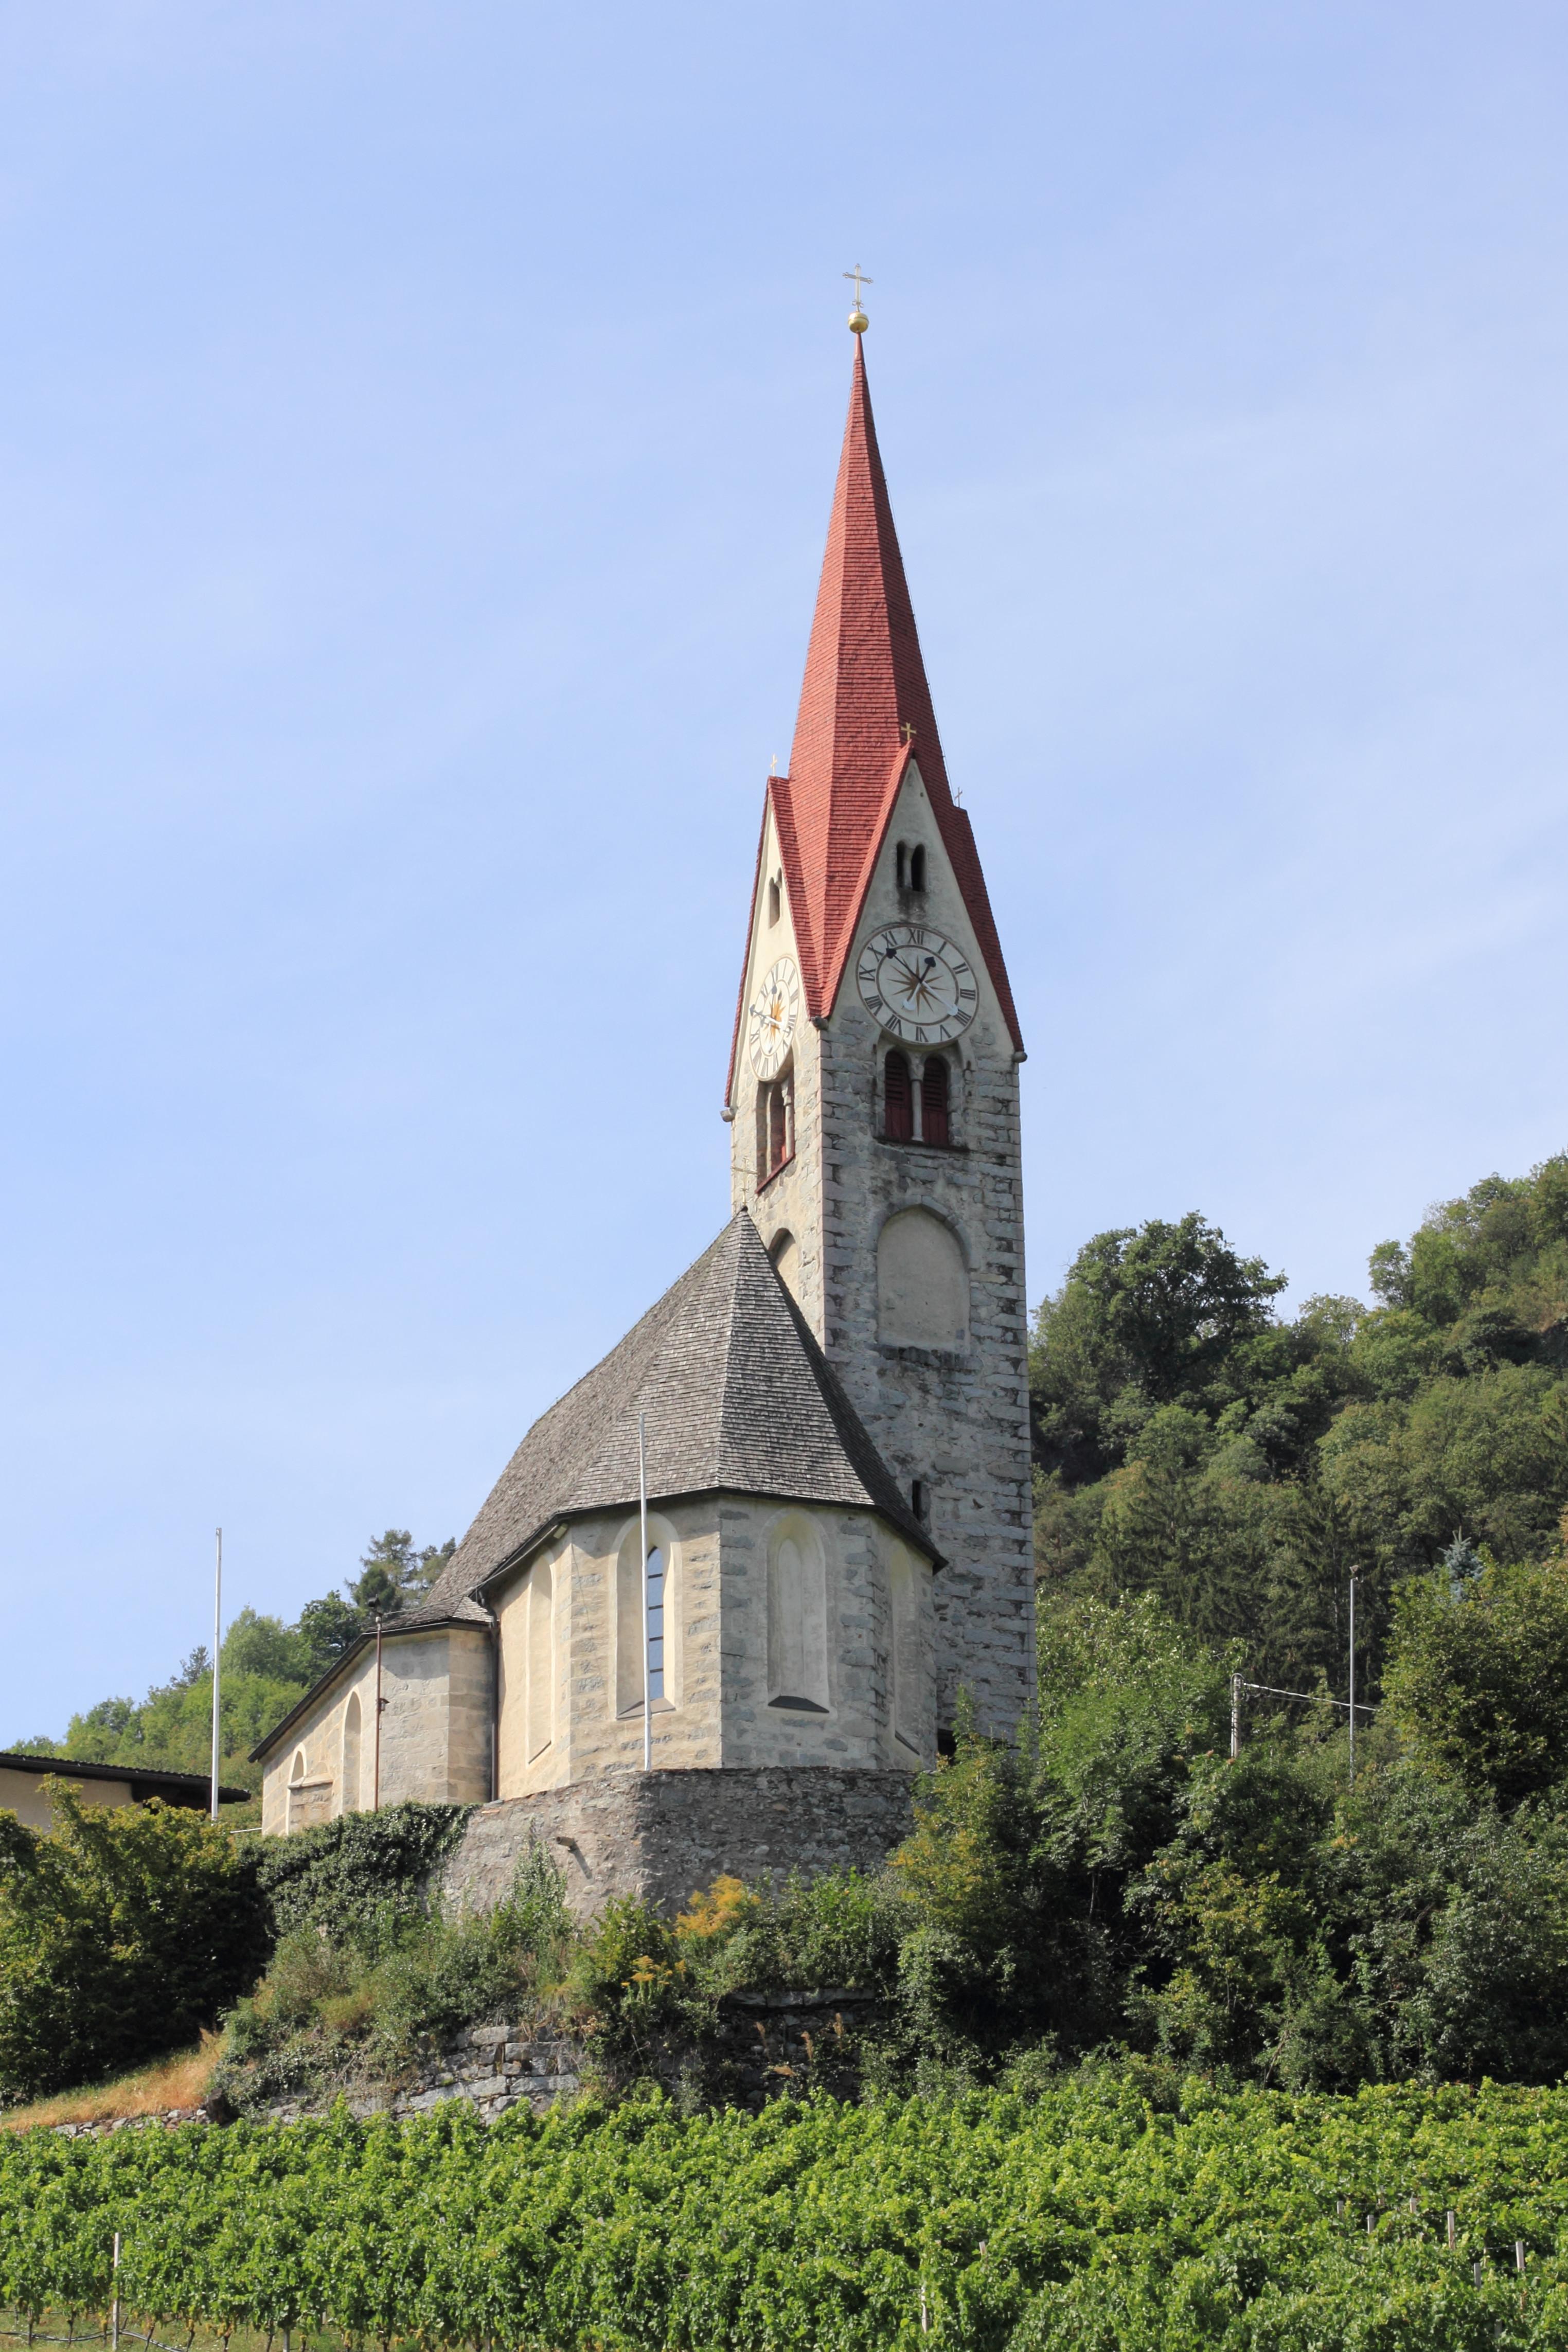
(858,275)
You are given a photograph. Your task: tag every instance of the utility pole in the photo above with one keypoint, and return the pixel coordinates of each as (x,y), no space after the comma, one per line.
(217,1643)
(380,1702)
(646,1671)
(1352,1680)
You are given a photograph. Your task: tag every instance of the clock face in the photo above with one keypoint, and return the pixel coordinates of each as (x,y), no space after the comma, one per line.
(770,1018)
(917,983)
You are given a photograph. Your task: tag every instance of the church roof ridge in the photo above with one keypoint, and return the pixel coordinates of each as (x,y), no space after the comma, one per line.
(738,1398)
(864,701)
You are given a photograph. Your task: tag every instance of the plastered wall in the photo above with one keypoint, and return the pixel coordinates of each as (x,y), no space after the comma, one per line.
(23,1794)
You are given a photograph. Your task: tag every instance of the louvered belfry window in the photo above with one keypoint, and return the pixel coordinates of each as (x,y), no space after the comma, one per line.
(933,1099)
(898,1100)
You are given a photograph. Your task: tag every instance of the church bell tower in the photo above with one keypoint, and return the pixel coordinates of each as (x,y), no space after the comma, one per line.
(873,1092)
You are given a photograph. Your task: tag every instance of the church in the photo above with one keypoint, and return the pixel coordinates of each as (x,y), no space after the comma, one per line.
(720,1606)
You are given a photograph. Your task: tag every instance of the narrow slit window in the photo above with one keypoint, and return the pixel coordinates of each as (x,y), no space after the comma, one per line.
(897,1099)
(934,1100)
(656,1623)
(776,897)
(778,1129)
(918,866)
(902,864)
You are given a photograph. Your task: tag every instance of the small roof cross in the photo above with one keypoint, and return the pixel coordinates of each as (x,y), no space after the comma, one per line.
(857,319)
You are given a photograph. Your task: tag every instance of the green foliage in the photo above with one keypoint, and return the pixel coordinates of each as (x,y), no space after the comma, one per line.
(1192,1446)
(1085,2219)
(393,1574)
(122,1933)
(1479,1679)
(361,1879)
(341,2010)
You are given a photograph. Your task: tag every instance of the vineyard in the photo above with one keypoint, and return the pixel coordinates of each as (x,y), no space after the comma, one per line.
(1084,2218)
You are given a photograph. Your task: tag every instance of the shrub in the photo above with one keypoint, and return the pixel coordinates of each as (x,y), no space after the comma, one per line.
(331,2013)
(363,1878)
(123,1932)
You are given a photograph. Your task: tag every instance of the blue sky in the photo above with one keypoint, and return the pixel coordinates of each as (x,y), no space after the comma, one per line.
(417,431)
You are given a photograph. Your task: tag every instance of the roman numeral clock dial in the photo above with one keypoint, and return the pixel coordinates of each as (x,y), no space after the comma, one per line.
(916,984)
(770,1018)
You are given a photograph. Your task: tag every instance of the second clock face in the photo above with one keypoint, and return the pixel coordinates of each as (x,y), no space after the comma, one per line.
(918,984)
(770,1018)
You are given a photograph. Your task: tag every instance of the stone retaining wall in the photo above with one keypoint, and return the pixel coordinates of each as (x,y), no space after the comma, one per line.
(659,1835)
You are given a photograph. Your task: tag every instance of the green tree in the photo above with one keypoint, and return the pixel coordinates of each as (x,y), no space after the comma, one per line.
(1477,1677)
(122,1932)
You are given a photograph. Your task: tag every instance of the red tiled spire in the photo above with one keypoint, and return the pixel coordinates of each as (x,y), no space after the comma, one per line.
(864,704)
(864,707)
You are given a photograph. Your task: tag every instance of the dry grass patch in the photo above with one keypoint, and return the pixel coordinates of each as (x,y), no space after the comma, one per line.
(179,2081)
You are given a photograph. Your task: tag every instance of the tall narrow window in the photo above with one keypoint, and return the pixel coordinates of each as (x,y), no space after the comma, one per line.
(775,898)
(775,1126)
(918,866)
(897,1099)
(902,864)
(655,1623)
(933,1099)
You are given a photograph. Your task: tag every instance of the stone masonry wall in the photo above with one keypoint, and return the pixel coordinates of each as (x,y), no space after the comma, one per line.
(660,1835)
(957,1420)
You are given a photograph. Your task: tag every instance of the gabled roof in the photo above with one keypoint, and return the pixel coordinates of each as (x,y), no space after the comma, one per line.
(738,1398)
(864,707)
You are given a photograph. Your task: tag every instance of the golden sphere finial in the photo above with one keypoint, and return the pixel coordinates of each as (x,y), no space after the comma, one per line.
(858,322)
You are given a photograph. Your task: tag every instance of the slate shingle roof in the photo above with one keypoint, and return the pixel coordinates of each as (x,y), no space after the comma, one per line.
(738,1398)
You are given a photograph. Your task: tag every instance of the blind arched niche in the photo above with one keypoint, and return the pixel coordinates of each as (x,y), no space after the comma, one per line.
(797,1617)
(922,1283)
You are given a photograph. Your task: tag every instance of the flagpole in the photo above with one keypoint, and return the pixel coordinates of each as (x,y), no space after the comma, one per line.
(646,1674)
(218,1638)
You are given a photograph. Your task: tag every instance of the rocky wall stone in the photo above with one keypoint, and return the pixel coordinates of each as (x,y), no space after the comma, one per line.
(661,1835)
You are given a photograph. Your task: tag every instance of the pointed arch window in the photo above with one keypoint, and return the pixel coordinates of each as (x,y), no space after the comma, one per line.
(935,1085)
(897,1098)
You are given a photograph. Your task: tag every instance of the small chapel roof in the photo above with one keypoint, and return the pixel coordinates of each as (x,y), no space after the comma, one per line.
(738,1398)
(865,712)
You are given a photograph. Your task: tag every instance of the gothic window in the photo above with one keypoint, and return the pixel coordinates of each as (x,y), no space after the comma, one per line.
(351,1797)
(918,866)
(775,1125)
(922,1283)
(632,1626)
(933,1099)
(797,1619)
(897,1099)
(775,901)
(541,1658)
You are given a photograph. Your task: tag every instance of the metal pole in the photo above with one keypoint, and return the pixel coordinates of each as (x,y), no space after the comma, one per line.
(646,1672)
(217,1641)
(1352,1680)
(1235,1716)
(380,1702)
